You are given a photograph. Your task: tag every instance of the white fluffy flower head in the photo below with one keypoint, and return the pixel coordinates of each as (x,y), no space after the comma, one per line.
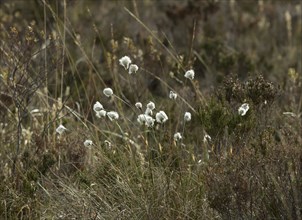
(97,107)
(108,92)
(207,138)
(146,119)
(187,116)
(139,105)
(151,105)
(112,115)
(161,117)
(149,121)
(133,68)
(148,112)
(177,136)
(242,110)
(107,143)
(190,74)
(141,119)
(60,129)
(172,95)
(101,113)
(125,62)
(88,143)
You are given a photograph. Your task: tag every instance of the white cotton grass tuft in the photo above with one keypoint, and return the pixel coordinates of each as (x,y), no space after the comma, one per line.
(177,136)
(148,112)
(60,129)
(146,119)
(190,74)
(125,61)
(108,92)
(151,105)
(172,95)
(97,107)
(99,110)
(112,115)
(161,117)
(141,119)
(133,68)
(88,143)
(207,138)
(107,143)
(101,113)
(187,116)
(139,105)
(243,109)
(149,121)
